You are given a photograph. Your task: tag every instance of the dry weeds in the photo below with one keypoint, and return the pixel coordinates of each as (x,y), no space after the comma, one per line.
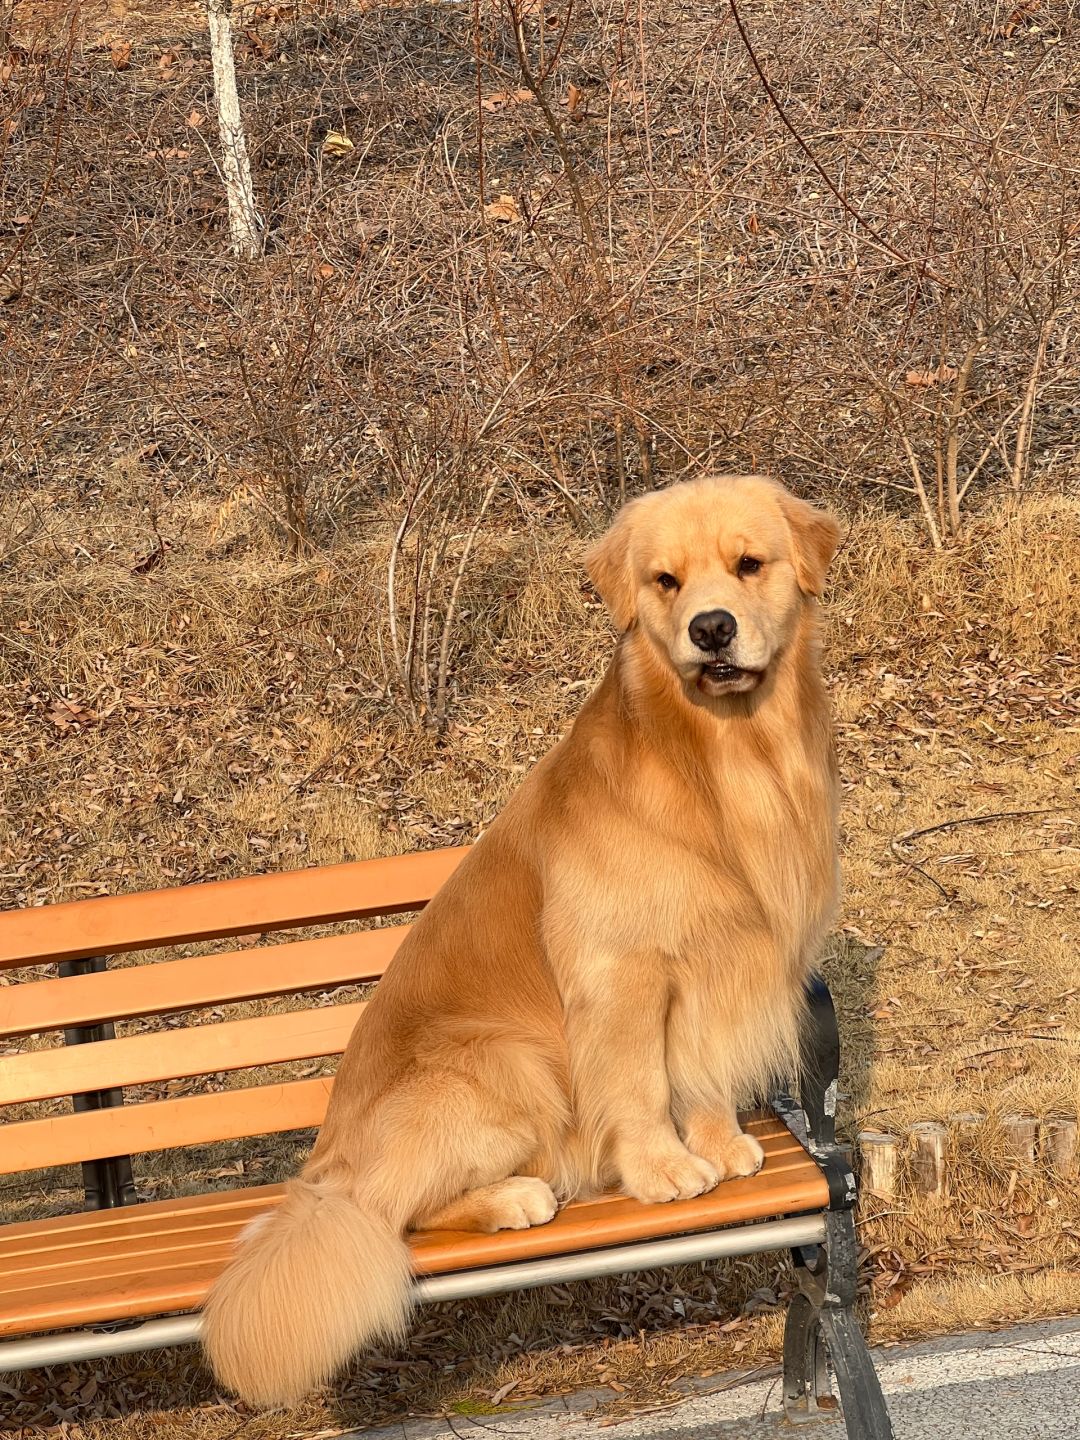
(181,701)
(240,739)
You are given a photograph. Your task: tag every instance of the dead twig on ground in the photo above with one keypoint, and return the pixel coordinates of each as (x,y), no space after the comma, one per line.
(910,835)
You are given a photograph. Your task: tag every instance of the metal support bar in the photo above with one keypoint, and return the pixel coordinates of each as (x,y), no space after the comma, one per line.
(107,1184)
(793,1232)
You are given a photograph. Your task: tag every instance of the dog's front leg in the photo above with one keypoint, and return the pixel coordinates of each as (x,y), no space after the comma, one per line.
(615,1033)
(715,1133)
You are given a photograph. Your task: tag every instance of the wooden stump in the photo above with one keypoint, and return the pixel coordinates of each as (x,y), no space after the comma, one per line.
(1020,1133)
(877,1162)
(1057,1143)
(930,1139)
(967,1121)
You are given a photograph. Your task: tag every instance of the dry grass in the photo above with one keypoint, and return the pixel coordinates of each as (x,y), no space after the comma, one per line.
(178,701)
(281,757)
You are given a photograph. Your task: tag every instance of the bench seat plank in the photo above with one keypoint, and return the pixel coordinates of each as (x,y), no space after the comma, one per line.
(162,1256)
(198,981)
(112,924)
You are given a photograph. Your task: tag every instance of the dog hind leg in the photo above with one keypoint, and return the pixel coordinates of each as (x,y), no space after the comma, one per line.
(515,1203)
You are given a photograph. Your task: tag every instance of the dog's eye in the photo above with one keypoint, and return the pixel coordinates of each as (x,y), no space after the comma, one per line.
(748,565)
(667,582)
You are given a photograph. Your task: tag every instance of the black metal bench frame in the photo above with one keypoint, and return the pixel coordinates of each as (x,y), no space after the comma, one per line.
(821,1320)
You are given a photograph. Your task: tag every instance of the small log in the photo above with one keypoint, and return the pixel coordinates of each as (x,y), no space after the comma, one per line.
(930,1139)
(967,1120)
(245,227)
(1057,1137)
(965,1130)
(877,1162)
(1020,1133)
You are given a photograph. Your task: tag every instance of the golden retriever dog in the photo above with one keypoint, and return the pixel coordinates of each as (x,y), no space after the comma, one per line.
(618,960)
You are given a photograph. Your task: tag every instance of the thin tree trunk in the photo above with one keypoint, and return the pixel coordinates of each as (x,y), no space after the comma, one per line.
(952,447)
(244,224)
(1023,430)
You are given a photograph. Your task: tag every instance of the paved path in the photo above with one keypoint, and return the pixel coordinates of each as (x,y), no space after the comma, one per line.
(1017,1384)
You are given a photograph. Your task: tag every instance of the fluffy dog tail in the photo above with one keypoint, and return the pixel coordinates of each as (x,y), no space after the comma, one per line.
(310,1284)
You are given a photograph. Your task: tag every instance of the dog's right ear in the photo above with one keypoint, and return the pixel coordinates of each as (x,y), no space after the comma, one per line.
(608,562)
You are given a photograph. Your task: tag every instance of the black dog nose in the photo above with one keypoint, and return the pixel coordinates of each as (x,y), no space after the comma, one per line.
(713,630)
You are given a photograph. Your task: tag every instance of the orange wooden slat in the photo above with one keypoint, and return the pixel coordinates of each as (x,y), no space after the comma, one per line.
(618,1221)
(156,1219)
(163,1124)
(220,908)
(30,1243)
(610,1219)
(122,1264)
(199,980)
(55,1264)
(173,1054)
(130,1297)
(192,1238)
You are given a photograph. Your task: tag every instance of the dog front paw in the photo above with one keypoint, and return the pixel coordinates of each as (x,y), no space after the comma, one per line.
(672,1173)
(728,1149)
(742,1155)
(521,1202)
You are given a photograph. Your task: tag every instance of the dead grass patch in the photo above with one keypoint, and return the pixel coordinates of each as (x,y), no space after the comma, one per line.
(239,738)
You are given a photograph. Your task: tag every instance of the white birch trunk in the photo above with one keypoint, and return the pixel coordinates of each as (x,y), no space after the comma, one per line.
(244,224)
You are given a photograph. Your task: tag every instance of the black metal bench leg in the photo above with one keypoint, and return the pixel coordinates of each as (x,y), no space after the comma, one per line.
(860,1389)
(807,1393)
(822,1315)
(821,1320)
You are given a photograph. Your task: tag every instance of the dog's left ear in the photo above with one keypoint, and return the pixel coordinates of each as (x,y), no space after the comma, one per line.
(607,561)
(816,535)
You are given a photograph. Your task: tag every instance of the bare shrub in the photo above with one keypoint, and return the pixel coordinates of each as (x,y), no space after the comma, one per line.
(525,260)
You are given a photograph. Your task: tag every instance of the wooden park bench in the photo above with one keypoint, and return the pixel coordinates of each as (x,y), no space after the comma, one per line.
(125,1275)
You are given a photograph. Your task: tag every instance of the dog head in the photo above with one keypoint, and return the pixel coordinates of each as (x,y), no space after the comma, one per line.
(715,572)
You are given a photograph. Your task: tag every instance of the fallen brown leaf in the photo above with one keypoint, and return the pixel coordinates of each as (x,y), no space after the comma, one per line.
(336,145)
(503,99)
(66,713)
(944,374)
(504,210)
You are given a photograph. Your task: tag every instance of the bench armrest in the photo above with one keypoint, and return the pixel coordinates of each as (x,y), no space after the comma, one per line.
(812,1118)
(821,1063)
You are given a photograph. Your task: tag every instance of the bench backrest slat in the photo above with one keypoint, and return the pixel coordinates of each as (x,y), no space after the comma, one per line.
(181,1050)
(164,1124)
(175,1054)
(198,981)
(114,924)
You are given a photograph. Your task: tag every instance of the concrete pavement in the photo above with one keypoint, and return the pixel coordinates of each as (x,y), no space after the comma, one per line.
(1016,1384)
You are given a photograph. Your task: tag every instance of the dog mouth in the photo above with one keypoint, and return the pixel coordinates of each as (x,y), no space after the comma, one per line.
(720,678)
